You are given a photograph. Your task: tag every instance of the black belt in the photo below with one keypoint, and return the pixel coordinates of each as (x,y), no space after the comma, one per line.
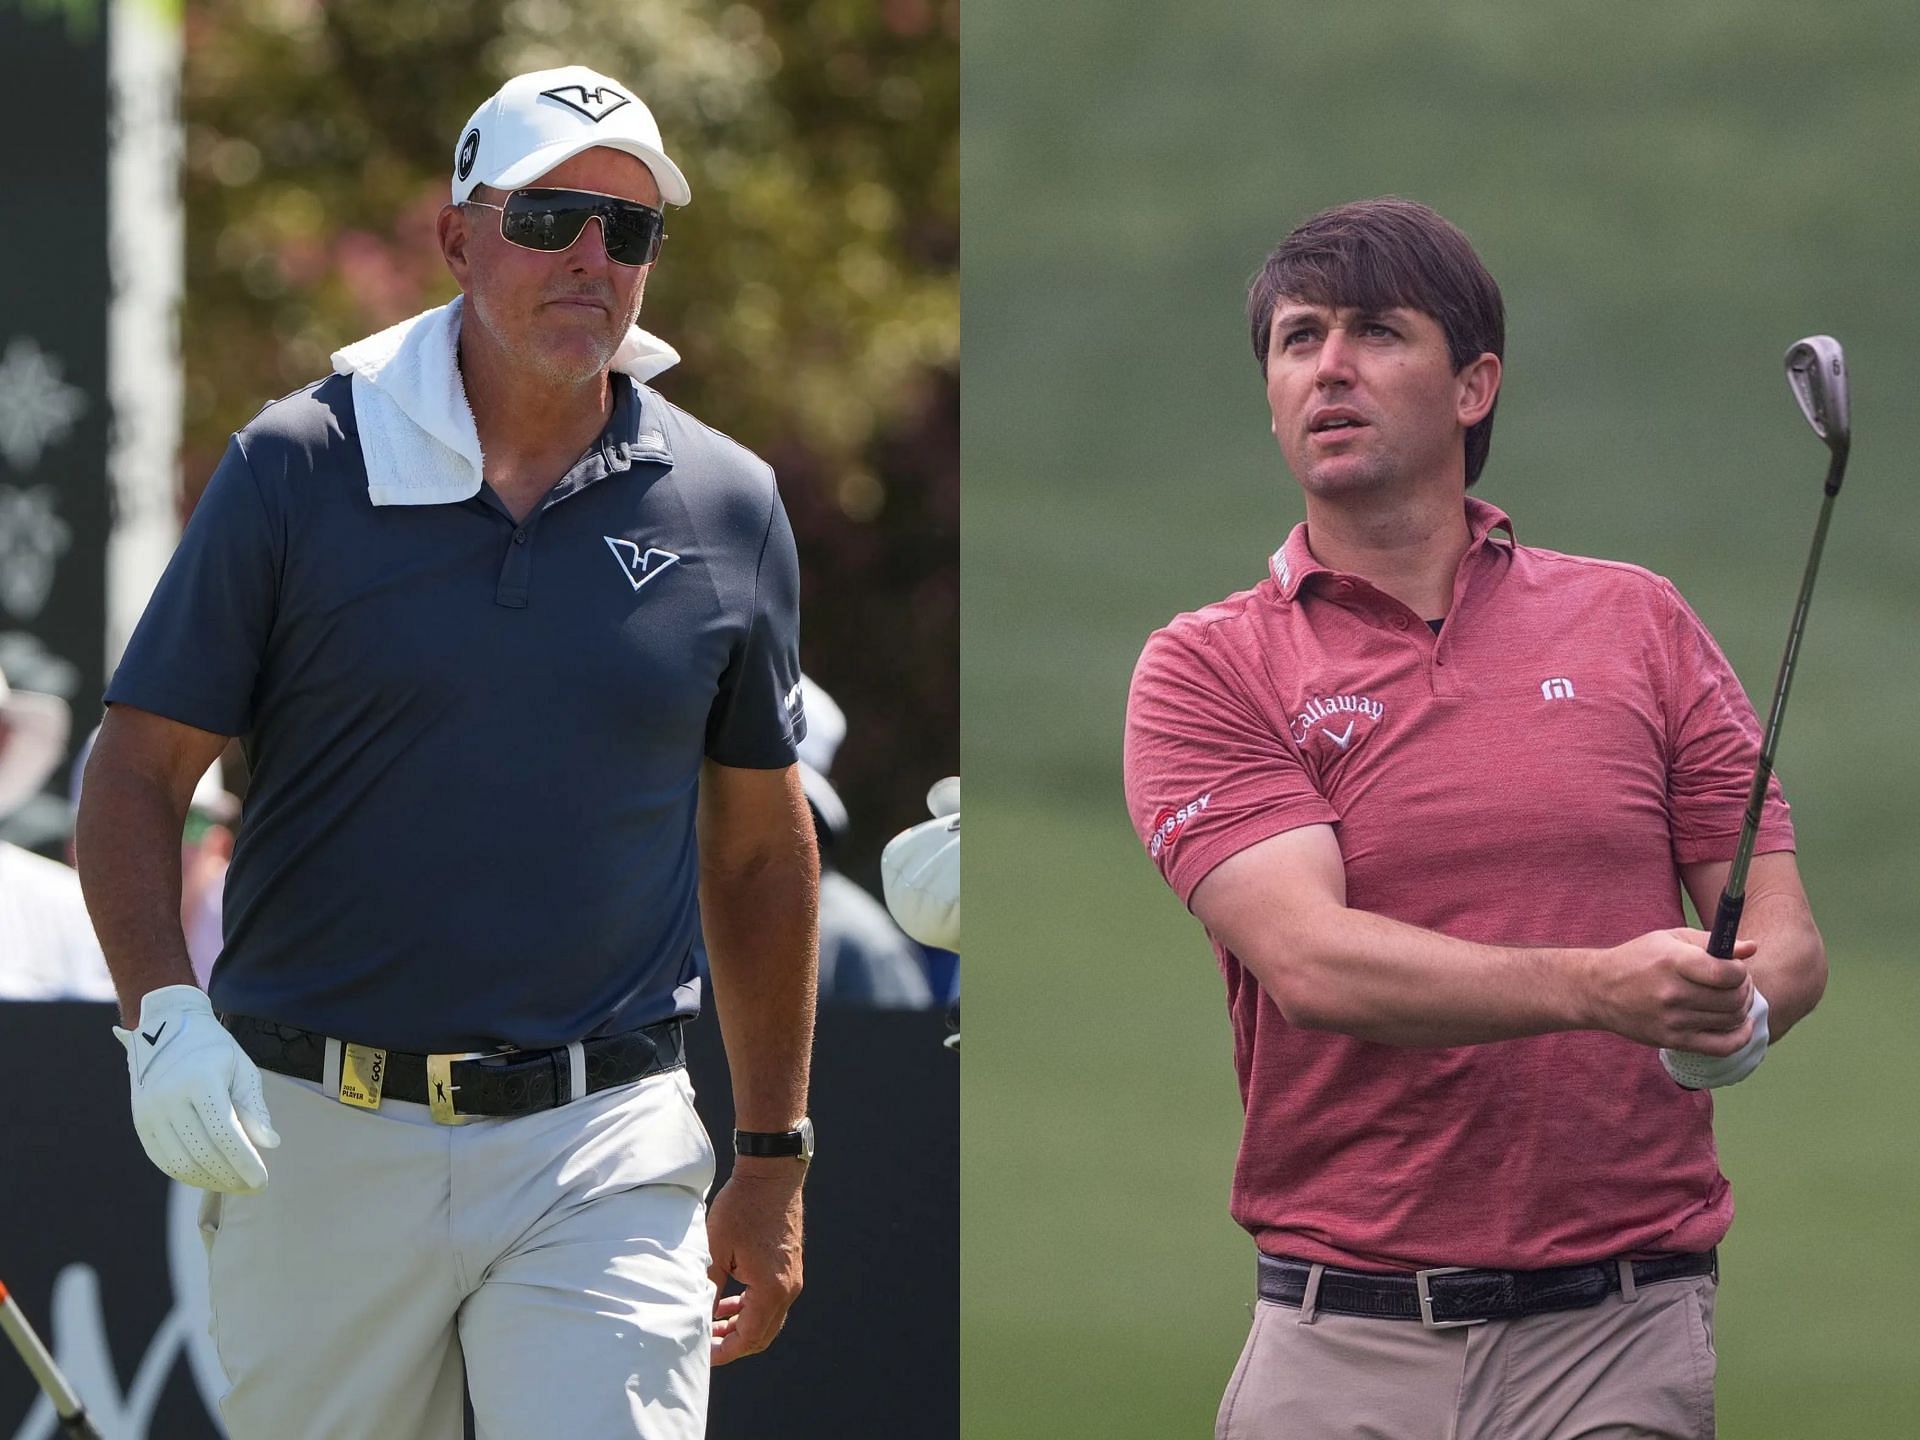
(456,1087)
(1450,1295)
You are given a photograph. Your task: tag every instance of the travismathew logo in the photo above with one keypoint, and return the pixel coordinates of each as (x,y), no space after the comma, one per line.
(640,567)
(596,104)
(1334,716)
(1170,822)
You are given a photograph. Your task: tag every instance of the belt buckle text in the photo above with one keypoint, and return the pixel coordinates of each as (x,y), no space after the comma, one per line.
(363,1073)
(1420,1278)
(441,1089)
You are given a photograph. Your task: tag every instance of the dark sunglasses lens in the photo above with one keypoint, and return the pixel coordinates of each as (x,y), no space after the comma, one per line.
(633,234)
(542,225)
(553,220)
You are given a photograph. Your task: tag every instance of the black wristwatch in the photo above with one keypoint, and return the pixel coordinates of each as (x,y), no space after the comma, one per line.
(796,1144)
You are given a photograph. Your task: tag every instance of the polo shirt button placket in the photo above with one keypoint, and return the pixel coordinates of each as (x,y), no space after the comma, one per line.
(517,571)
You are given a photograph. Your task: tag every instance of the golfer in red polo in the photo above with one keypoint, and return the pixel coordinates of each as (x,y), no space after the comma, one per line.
(1434,795)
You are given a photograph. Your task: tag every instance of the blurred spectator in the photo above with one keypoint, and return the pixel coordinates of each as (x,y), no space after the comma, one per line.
(47,948)
(206,847)
(865,959)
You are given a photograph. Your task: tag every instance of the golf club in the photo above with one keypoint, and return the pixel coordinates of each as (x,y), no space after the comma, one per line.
(1817,374)
(66,1404)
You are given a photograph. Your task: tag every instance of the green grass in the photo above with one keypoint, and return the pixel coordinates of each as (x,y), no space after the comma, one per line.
(1669,197)
(1106,1289)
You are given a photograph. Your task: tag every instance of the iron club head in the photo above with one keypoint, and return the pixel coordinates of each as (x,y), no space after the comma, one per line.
(1817,373)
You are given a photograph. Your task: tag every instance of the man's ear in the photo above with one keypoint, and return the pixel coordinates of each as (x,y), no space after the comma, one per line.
(1479,388)
(455,237)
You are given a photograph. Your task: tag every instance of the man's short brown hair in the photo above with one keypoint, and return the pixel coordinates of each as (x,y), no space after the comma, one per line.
(1375,255)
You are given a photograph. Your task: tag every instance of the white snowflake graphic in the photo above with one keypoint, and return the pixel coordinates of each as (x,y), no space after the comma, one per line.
(37,407)
(32,540)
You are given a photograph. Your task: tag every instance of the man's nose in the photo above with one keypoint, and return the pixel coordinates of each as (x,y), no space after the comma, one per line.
(589,249)
(1335,359)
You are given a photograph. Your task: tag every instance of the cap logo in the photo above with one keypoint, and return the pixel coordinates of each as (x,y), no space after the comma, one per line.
(596,104)
(469,148)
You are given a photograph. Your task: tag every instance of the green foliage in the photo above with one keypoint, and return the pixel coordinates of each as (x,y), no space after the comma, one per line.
(811,286)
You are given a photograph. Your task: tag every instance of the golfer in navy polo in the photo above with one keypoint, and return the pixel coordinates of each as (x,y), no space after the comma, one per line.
(502,631)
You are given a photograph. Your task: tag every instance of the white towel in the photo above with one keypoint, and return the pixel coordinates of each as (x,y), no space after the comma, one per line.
(416,428)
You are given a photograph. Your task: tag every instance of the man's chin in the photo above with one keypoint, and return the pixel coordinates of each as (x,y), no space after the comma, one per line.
(571,363)
(1343,476)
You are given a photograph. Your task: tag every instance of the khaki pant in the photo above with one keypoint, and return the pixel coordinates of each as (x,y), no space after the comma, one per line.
(553,1263)
(1632,1366)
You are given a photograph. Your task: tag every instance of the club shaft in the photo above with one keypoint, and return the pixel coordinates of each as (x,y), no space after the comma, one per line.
(1726,922)
(46,1374)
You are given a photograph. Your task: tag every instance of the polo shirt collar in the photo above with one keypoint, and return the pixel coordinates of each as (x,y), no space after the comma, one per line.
(1293,562)
(632,433)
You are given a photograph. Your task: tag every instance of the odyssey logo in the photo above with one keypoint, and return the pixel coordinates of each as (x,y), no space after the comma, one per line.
(1169,823)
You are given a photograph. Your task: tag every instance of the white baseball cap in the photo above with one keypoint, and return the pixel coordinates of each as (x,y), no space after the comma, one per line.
(826,728)
(546,117)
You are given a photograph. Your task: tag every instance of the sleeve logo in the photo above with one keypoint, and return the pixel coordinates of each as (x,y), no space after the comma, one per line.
(1170,822)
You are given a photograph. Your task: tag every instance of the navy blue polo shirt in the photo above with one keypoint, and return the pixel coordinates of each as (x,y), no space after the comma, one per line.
(475,745)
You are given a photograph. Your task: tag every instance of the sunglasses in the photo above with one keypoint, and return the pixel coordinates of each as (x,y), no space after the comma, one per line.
(552,220)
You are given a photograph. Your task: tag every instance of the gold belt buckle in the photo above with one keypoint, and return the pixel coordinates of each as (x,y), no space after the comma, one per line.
(440,1088)
(363,1074)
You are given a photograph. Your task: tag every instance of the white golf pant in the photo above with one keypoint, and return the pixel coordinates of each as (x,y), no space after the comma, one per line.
(556,1263)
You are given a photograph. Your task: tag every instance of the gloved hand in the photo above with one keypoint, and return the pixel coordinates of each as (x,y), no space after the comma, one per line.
(1710,1072)
(197,1102)
(920,871)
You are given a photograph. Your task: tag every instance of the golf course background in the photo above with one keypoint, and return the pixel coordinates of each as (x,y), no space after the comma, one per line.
(1669,197)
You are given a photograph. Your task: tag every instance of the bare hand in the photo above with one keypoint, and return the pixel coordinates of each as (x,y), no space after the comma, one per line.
(753,1232)
(1664,989)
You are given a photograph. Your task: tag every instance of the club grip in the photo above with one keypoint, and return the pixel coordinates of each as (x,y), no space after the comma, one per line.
(1726,925)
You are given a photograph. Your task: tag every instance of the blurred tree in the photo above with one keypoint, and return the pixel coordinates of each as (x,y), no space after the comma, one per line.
(812,286)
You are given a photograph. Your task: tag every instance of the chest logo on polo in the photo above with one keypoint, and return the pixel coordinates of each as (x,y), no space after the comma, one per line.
(640,566)
(1335,719)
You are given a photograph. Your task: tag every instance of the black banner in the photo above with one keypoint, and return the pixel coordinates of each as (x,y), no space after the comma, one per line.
(103,1252)
(55,290)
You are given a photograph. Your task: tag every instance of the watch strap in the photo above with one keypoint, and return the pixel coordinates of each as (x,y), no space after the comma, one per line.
(795,1144)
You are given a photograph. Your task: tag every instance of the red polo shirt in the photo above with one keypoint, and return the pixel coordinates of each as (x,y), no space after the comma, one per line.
(1533,775)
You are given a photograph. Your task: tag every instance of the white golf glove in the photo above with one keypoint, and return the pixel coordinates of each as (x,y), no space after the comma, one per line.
(920,871)
(197,1103)
(1710,1072)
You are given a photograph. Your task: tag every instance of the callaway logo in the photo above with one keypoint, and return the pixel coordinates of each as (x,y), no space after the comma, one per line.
(1322,710)
(469,148)
(596,104)
(1169,823)
(154,1039)
(639,568)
